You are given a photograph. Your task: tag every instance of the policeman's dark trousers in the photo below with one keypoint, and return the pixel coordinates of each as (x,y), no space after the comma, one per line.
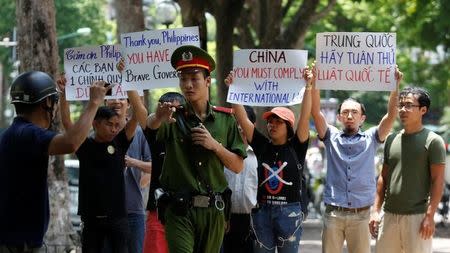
(201,230)
(100,231)
(238,240)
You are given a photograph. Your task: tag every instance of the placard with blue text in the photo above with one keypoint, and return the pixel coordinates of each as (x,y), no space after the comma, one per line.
(268,77)
(355,61)
(85,65)
(147,56)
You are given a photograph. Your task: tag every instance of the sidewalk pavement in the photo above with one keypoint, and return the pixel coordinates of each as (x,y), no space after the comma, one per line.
(311,238)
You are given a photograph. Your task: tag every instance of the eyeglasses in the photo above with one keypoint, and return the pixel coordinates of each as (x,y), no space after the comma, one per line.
(346,113)
(407,107)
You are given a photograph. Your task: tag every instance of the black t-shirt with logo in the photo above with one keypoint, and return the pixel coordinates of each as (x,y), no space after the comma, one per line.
(278,174)
(102,186)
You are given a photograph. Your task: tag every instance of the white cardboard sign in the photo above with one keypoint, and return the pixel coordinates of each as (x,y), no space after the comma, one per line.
(85,65)
(268,77)
(147,56)
(355,61)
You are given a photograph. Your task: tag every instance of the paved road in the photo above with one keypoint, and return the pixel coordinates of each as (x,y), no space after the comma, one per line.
(311,238)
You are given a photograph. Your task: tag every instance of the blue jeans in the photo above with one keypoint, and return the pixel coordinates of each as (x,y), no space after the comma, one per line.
(277,227)
(136,224)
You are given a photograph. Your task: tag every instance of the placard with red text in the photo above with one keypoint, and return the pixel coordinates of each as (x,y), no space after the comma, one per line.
(268,77)
(147,56)
(355,61)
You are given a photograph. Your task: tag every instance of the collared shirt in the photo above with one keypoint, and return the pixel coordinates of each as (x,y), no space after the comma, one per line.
(139,149)
(350,180)
(244,185)
(184,161)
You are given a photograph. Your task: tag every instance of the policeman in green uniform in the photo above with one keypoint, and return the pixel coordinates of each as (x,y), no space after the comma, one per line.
(200,140)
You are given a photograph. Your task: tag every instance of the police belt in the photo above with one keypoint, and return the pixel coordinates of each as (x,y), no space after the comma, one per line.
(205,201)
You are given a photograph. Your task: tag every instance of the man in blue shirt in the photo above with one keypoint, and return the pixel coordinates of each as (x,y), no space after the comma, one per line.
(24,150)
(350,182)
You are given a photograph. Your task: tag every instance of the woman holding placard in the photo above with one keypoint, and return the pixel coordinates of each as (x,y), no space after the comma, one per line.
(276,220)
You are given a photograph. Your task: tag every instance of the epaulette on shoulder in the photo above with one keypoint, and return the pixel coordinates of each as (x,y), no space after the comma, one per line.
(222,109)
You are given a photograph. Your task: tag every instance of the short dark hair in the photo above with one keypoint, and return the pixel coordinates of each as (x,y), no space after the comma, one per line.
(105,112)
(423,97)
(363,108)
(290,130)
(250,113)
(172,96)
(206,73)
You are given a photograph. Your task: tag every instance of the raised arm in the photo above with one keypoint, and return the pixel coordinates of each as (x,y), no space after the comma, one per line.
(386,123)
(303,122)
(241,115)
(74,136)
(139,110)
(163,113)
(64,107)
(319,120)
(138,107)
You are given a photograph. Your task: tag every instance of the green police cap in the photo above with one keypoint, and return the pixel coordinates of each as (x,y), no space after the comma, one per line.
(192,57)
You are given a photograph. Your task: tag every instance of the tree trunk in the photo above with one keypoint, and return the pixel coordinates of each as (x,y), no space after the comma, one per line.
(130,18)
(193,14)
(226,13)
(38,50)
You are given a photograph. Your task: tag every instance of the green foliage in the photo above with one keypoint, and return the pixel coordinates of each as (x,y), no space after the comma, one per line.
(7,12)
(445,120)
(420,24)
(72,15)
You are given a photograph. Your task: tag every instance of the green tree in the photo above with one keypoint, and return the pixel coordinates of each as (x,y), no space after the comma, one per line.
(72,15)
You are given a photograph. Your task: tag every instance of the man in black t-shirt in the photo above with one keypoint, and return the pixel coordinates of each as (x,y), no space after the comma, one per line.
(102,189)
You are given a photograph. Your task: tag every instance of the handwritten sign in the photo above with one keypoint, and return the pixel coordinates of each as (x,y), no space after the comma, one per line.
(147,56)
(355,61)
(85,65)
(267,77)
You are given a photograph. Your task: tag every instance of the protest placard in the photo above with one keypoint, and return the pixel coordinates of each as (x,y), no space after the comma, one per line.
(147,56)
(85,65)
(355,61)
(267,77)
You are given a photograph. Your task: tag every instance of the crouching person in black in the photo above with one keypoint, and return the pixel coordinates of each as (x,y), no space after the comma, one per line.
(101,202)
